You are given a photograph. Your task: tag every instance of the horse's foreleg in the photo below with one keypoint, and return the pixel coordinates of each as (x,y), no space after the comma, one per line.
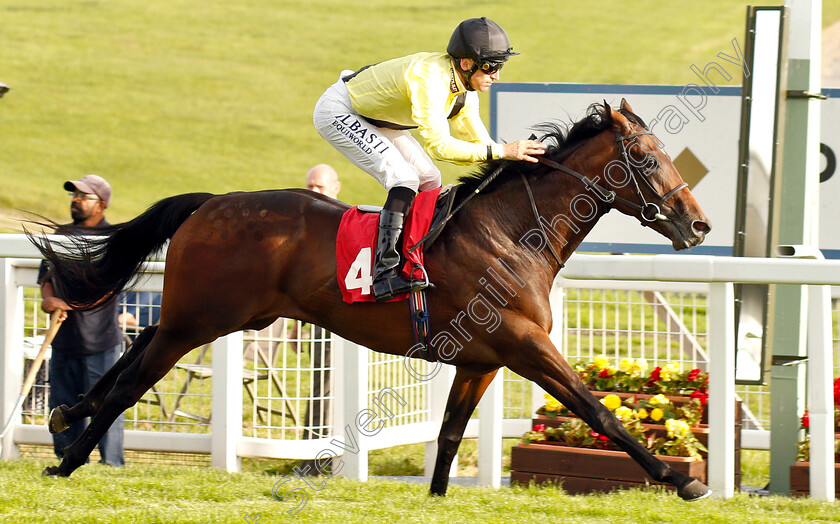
(546,367)
(464,395)
(137,377)
(63,417)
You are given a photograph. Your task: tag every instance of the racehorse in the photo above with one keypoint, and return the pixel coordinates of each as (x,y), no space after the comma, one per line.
(241,260)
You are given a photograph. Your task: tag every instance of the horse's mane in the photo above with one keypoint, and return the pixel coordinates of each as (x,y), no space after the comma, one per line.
(560,138)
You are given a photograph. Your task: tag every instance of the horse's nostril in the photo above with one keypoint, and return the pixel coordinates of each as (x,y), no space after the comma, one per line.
(701,227)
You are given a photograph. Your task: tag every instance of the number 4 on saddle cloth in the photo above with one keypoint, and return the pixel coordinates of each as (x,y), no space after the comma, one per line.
(356,243)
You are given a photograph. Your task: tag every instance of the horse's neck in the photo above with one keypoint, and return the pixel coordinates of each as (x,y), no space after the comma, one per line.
(567,213)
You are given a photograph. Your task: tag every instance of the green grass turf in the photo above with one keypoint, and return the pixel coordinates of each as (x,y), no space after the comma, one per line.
(165,97)
(165,494)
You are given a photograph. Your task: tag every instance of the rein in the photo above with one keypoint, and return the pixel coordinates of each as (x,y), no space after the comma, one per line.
(540,222)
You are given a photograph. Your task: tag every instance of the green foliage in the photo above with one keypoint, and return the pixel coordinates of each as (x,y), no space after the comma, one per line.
(165,97)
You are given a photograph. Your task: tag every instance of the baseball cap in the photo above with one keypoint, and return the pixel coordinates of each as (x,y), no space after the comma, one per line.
(91,184)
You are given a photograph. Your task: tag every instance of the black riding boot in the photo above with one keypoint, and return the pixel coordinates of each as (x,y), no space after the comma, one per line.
(388,281)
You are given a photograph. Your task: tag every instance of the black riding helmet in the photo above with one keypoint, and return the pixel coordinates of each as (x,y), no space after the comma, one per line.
(482,40)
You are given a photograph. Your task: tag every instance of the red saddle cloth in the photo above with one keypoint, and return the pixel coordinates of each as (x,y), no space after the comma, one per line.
(355,246)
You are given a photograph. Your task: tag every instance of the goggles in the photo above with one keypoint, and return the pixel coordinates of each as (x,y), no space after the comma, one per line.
(490,66)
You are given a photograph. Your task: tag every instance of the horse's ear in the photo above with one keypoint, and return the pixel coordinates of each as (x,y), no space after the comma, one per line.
(620,122)
(625,106)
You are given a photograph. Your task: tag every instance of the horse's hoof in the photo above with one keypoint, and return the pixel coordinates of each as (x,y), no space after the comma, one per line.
(50,471)
(57,423)
(694,490)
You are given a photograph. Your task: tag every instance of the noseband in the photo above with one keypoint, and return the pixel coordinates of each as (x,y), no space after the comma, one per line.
(648,211)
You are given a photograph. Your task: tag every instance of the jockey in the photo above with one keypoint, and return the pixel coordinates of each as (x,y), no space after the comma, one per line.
(366,115)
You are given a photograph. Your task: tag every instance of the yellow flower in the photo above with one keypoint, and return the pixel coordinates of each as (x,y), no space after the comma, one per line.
(601,363)
(552,404)
(671,370)
(634,368)
(677,428)
(659,400)
(657,414)
(611,401)
(624,413)
(642,414)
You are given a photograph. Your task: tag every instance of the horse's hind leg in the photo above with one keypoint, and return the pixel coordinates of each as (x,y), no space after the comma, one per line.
(464,395)
(62,417)
(141,374)
(544,365)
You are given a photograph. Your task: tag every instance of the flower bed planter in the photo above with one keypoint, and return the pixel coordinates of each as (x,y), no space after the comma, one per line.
(700,431)
(800,480)
(800,483)
(582,470)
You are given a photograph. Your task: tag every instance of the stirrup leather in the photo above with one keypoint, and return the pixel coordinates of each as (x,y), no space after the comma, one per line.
(388,281)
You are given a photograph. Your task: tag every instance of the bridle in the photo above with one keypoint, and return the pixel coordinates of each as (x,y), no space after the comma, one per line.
(648,211)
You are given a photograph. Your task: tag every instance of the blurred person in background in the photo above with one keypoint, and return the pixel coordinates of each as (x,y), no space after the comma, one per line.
(323,179)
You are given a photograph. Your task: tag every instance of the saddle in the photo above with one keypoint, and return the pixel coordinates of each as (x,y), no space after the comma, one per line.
(443,205)
(355,242)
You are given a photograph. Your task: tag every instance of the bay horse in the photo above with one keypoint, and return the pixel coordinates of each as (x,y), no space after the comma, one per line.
(241,260)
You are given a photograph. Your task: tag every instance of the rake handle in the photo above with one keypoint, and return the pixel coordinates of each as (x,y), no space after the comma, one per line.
(55,323)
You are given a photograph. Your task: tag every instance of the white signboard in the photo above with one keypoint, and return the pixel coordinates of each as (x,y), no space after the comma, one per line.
(705,125)
(699,131)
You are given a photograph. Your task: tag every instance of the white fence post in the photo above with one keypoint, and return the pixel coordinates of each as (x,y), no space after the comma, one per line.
(820,393)
(490,412)
(226,419)
(353,384)
(721,328)
(11,352)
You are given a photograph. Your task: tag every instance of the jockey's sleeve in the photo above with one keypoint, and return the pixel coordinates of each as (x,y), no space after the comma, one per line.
(431,104)
(420,90)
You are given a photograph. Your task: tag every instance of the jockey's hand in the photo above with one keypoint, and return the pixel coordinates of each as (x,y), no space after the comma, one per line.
(523,150)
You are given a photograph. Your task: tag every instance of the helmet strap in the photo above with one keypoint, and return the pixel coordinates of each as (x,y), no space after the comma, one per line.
(466,74)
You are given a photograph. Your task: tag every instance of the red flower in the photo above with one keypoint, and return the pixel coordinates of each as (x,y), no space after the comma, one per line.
(806,420)
(539,427)
(602,438)
(693,374)
(837,391)
(605,373)
(654,376)
(701,396)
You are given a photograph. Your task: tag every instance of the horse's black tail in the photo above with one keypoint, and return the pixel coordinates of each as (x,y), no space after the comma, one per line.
(90,270)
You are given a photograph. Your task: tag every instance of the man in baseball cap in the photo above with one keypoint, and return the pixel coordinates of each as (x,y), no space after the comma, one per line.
(88,342)
(91,185)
